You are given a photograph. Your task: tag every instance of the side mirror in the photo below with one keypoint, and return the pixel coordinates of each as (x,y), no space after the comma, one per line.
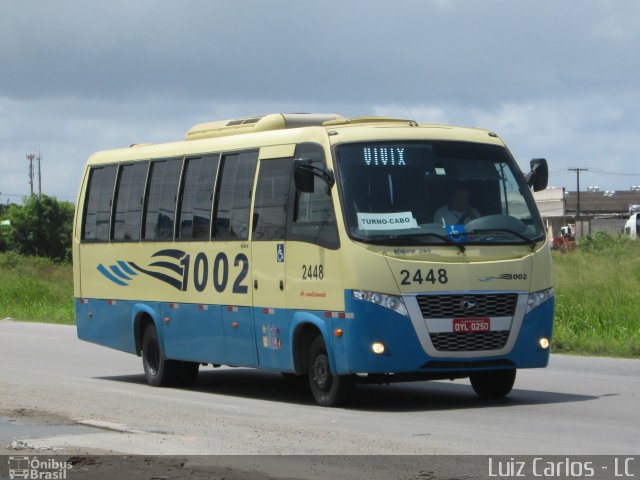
(304,171)
(538,177)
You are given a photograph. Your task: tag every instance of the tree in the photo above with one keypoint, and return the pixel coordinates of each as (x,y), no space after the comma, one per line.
(4,227)
(42,226)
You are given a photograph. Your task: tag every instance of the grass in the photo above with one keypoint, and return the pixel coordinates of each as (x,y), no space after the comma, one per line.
(35,289)
(598,298)
(597,295)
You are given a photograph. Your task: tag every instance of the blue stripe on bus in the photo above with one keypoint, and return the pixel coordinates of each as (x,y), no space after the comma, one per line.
(115,269)
(170,252)
(110,276)
(126,268)
(174,282)
(169,266)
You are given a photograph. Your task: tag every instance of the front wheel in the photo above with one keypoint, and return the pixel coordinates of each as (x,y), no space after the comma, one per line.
(159,371)
(329,390)
(496,384)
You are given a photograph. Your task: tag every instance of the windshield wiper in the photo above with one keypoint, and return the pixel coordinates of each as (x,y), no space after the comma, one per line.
(401,239)
(522,237)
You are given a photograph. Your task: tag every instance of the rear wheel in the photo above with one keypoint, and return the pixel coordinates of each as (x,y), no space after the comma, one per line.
(159,371)
(496,384)
(329,390)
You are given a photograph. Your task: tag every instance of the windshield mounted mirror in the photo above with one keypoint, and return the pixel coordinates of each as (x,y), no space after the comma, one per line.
(538,177)
(304,171)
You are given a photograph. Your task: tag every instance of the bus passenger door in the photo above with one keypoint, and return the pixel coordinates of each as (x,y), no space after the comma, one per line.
(232,262)
(268,251)
(314,266)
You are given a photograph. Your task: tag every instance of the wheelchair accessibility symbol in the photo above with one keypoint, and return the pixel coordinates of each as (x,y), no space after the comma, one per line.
(280,252)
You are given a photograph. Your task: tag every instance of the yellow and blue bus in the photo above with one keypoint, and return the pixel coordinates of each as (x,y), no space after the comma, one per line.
(319,246)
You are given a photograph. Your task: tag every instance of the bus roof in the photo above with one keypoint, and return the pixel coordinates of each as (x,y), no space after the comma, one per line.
(288,128)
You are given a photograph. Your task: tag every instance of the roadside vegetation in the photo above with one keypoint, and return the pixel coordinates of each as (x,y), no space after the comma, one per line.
(598,298)
(36,279)
(41,227)
(35,289)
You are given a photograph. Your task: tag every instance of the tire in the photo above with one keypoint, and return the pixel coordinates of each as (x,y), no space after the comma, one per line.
(496,384)
(329,390)
(161,372)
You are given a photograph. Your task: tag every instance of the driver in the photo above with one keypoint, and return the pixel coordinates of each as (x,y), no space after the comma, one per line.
(458,211)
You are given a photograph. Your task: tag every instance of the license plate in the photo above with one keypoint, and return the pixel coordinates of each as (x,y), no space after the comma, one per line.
(471,325)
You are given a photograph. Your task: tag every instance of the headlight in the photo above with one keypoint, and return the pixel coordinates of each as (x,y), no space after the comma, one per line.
(392,302)
(538,298)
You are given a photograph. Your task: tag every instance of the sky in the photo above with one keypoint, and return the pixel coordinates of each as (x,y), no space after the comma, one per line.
(555,79)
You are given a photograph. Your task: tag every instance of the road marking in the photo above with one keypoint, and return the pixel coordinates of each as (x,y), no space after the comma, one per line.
(114,427)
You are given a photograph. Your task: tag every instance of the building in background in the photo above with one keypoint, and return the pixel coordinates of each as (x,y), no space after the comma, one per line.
(606,210)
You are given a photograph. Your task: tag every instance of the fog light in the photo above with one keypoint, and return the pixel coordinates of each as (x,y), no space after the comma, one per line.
(378,348)
(544,343)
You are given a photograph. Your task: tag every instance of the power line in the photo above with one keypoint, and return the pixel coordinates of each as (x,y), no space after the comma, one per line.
(602,172)
(559,173)
(14,194)
(2,194)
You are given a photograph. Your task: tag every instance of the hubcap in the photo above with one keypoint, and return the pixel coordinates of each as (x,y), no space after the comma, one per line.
(153,357)
(321,375)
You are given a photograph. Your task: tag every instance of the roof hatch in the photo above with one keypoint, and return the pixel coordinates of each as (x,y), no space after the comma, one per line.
(274,121)
(362,120)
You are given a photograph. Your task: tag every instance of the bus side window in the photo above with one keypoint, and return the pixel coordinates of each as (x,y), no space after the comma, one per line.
(272,196)
(127,215)
(97,210)
(234,196)
(313,219)
(194,222)
(160,209)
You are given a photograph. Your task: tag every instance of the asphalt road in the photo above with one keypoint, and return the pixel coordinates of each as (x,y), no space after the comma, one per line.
(577,406)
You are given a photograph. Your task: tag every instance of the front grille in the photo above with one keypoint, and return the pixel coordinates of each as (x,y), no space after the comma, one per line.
(461,305)
(469,342)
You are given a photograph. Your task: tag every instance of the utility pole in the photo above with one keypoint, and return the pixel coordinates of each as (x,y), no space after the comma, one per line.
(39,157)
(30,157)
(578,170)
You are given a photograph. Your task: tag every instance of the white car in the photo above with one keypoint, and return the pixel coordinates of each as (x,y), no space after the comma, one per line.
(632,227)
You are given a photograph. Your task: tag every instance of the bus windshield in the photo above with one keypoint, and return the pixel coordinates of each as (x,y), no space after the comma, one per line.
(434,192)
